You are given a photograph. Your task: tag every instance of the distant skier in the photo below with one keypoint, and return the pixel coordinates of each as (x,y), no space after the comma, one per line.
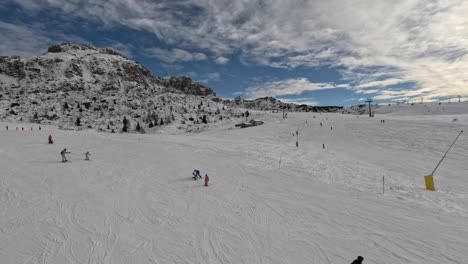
(206,179)
(320,124)
(62,153)
(358,260)
(7,128)
(40,128)
(22,128)
(50,139)
(87,154)
(196,174)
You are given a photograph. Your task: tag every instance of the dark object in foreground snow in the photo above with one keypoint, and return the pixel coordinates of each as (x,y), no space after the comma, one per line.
(358,260)
(251,123)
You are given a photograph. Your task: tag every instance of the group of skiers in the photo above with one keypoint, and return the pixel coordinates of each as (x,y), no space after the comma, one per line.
(196,175)
(17,128)
(64,157)
(64,151)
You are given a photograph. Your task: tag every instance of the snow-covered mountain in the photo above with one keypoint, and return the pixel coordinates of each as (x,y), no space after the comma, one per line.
(270,103)
(410,109)
(100,87)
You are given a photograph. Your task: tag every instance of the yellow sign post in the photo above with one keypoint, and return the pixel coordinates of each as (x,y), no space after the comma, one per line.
(429,182)
(429,179)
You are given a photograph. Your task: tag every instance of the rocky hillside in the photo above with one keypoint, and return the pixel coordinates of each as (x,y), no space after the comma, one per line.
(270,103)
(80,86)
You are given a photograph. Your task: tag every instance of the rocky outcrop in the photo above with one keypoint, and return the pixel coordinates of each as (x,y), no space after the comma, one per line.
(69,47)
(187,86)
(100,86)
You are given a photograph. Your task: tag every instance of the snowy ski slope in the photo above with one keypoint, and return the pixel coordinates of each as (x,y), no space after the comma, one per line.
(268,201)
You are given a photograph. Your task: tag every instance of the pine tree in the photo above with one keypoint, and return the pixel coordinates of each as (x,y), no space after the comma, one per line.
(161,122)
(138,128)
(204,121)
(125,124)
(78,122)
(151,124)
(65,106)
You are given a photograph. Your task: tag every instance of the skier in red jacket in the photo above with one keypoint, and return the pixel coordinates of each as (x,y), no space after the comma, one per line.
(207,179)
(50,139)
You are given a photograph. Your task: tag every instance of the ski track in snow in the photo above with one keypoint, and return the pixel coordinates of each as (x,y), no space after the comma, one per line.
(268,200)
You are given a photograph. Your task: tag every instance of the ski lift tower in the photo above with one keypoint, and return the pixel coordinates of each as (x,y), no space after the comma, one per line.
(369,101)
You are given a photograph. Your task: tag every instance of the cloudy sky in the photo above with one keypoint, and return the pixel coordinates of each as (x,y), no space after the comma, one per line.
(325,52)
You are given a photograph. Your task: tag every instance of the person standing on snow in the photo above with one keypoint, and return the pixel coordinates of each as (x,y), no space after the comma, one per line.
(50,139)
(358,260)
(62,153)
(206,179)
(87,154)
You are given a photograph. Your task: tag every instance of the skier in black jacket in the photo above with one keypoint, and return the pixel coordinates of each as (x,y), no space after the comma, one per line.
(358,260)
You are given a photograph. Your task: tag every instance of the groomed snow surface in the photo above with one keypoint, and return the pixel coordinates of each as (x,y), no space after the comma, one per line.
(268,200)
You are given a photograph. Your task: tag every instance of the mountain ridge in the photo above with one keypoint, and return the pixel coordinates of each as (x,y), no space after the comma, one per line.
(100,86)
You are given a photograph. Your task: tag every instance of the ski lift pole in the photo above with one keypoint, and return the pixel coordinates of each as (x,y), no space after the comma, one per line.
(432,174)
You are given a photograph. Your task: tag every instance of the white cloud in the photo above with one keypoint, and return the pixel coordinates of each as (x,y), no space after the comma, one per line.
(175,55)
(214,76)
(221,60)
(417,41)
(21,40)
(304,100)
(286,87)
(386,82)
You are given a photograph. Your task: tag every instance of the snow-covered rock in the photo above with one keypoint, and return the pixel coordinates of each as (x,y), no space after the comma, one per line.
(100,87)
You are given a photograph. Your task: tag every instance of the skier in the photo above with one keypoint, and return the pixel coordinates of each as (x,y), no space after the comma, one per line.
(87,154)
(50,139)
(62,153)
(320,124)
(358,260)
(206,179)
(7,128)
(196,173)
(40,128)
